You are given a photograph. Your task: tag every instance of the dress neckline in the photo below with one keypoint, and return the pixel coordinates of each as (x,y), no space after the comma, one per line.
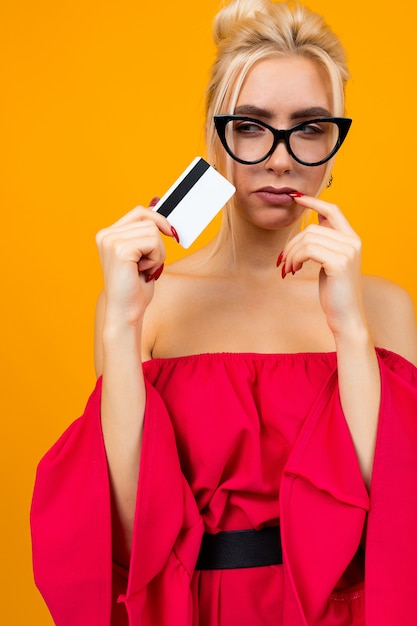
(330,356)
(246,356)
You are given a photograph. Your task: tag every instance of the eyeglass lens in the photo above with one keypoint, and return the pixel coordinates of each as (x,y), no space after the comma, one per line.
(310,142)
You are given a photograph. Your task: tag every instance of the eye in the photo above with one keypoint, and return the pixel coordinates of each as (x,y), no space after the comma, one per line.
(310,129)
(248,127)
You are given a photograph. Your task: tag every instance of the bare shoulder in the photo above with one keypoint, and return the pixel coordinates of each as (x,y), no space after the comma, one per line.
(173,303)
(391,315)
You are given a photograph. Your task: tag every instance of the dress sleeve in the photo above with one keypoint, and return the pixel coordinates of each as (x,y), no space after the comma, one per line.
(325,506)
(391,554)
(71,528)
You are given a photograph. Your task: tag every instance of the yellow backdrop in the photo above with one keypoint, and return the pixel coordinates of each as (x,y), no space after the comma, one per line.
(102,107)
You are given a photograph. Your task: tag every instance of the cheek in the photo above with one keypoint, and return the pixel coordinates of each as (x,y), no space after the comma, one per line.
(242,175)
(322,176)
(315,180)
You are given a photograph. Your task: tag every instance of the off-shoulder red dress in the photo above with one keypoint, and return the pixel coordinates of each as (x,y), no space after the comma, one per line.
(237,441)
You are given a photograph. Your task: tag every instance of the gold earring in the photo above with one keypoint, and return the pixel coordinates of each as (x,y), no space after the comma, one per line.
(329,184)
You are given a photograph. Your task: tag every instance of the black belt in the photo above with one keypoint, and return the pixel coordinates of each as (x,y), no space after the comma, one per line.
(240,548)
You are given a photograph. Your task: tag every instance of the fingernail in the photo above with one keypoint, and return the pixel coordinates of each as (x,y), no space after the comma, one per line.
(295,194)
(156,274)
(283,272)
(279,259)
(175,234)
(154,201)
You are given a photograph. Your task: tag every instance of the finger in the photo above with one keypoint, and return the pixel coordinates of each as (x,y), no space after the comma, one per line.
(151,256)
(140,213)
(317,234)
(132,244)
(126,228)
(155,275)
(329,214)
(332,253)
(132,229)
(154,201)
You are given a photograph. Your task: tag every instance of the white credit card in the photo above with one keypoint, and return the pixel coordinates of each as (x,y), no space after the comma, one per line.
(194,199)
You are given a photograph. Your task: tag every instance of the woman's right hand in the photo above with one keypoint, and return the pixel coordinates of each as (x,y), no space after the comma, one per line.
(132,254)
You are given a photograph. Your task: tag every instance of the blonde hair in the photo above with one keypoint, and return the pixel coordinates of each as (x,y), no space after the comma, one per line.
(246,31)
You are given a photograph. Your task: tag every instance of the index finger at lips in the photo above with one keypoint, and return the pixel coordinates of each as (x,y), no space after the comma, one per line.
(329,214)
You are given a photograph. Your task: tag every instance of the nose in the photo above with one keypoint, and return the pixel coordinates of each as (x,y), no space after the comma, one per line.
(280,161)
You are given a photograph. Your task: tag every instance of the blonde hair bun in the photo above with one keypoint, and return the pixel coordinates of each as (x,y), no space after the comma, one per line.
(230,18)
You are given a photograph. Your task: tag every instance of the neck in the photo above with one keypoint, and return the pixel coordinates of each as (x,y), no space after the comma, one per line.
(247,249)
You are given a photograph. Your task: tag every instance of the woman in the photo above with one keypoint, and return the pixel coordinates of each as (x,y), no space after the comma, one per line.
(273,443)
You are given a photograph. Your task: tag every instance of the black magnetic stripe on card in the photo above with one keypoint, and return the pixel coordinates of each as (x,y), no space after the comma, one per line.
(184,187)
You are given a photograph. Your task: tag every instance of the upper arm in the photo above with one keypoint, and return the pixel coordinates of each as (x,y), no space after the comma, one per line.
(392,317)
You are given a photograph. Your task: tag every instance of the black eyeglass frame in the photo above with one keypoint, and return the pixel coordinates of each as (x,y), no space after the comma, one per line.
(220,122)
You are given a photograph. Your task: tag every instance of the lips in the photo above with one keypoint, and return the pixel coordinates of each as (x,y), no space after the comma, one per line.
(277,190)
(277,196)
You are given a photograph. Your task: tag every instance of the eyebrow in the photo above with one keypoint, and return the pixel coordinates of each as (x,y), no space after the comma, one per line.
(311,112)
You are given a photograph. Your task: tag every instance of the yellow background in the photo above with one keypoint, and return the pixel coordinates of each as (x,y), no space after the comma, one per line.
(101,110)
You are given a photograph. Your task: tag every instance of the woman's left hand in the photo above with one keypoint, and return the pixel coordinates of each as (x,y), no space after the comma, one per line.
(337,248)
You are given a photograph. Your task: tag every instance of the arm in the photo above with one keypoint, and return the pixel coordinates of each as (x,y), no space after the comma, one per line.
(391,315)
(360,393)
(131,252)
(335,246)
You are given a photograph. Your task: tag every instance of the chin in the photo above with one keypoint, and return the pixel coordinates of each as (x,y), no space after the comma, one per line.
(275,219)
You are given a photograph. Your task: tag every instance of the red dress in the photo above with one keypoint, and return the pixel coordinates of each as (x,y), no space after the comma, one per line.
(237,441)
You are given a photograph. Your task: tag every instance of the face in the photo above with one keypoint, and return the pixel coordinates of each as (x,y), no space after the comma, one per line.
(282,92)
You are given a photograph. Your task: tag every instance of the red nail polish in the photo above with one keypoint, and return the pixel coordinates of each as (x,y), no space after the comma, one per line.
(156,274)
(175,234)
(283,272)
(295,194)
(154,201)
(280,257)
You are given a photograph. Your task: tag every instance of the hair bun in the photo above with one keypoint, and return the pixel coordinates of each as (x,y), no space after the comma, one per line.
(233,14)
